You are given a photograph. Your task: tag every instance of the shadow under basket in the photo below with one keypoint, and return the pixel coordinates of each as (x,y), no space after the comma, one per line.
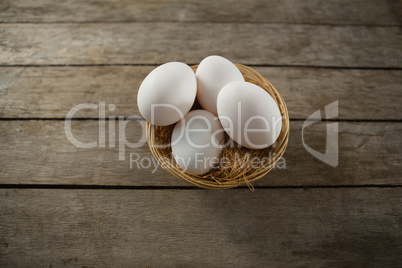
(238,165)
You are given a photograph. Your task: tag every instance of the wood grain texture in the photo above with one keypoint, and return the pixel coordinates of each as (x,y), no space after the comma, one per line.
(50,92)
(38,152)
(198,228)
(373,12)
(347,225)
(140,43)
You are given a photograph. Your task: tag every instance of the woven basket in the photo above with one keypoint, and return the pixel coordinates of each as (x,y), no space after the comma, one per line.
(219,179)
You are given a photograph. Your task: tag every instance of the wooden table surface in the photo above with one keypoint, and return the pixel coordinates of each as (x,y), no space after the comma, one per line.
(64,206)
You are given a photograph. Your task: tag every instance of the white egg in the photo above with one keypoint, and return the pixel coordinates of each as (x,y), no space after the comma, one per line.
(249,115)
(196,142)
(167,93)
(213,73)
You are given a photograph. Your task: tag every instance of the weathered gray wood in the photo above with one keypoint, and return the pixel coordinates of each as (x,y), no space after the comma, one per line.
(38,152)
(169,228)
(116,43)
(373,12)
(50,92)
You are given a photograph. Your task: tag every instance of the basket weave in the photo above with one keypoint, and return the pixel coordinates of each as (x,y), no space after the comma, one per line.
(236,175)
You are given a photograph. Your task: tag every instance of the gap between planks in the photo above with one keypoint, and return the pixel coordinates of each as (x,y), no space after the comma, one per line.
(157,64)
(141,119)
(201,22)
(154,187)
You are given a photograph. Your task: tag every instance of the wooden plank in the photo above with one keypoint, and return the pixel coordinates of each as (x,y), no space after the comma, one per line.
(140,43)
(50,92)
(373,12)
(38,152)
(169,228)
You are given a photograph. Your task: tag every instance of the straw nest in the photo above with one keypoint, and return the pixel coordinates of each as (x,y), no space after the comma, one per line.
(238,165)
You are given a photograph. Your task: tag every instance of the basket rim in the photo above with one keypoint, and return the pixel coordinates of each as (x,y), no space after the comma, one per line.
(198,181)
